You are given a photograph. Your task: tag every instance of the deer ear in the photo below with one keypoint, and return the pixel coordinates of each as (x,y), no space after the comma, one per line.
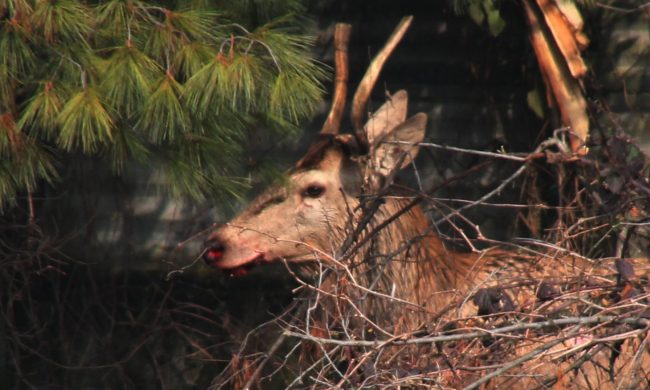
(396,149)
(389,115)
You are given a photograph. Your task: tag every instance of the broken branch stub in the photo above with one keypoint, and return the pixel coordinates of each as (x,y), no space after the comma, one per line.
(558,74)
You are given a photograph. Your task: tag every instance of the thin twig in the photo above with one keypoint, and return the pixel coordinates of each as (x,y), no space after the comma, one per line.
(481,333)
(503,156)
(269,354)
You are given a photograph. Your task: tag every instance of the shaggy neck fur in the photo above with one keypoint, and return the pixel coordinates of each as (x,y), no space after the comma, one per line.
(404,261)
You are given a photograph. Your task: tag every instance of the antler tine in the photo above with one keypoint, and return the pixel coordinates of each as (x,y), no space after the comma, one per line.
(370,78)
(341,39)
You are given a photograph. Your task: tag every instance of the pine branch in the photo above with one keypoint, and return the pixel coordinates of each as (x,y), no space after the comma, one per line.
(41,113)
(84,123)
(125,80)
(17,55)
(164,117)
(128,78)
(62,20)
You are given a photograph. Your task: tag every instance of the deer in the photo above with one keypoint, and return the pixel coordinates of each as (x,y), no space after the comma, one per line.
(339,208)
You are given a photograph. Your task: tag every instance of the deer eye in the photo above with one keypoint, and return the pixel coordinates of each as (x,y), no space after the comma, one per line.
(313,191)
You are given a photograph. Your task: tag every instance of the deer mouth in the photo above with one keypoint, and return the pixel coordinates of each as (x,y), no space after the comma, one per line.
(242,267)
(242,270)
(215,258)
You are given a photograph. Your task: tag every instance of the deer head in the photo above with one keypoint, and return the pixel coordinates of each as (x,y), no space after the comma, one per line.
(305,217)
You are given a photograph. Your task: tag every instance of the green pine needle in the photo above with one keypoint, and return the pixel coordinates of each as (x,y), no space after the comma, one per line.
(225,129)
(8,187)
(6,88)
(128,77)
(17,55)
(195,24)
(202,89)
(117,16)
(191,57)
(31,164)
(221,84)
(14,7)
(293,97)
(298,85)
(42,111)
(8,135)
(62,20)
(178,28)
(163,116)
(160,42)
(84,123)
(240,82)
(232,80)
(279,126)
(186,180)
(126,146)
(22,168)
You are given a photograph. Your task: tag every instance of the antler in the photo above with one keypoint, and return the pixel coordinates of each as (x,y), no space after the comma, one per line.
(341,39)
(370,78)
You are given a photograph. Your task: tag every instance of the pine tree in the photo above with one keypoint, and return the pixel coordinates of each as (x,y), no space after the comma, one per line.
(174,84)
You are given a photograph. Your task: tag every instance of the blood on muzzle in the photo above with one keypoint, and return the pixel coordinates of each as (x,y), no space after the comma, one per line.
(213,251)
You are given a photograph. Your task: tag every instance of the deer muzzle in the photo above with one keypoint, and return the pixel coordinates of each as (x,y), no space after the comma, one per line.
(234,261)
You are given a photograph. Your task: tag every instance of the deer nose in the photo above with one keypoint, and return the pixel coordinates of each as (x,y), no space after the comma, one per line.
(213,251)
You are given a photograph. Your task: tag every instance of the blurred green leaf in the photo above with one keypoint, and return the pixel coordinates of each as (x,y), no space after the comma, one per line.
(496,24)
(535,102)
(476,13)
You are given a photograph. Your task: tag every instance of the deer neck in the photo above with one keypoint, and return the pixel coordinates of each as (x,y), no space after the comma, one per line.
(406,260)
